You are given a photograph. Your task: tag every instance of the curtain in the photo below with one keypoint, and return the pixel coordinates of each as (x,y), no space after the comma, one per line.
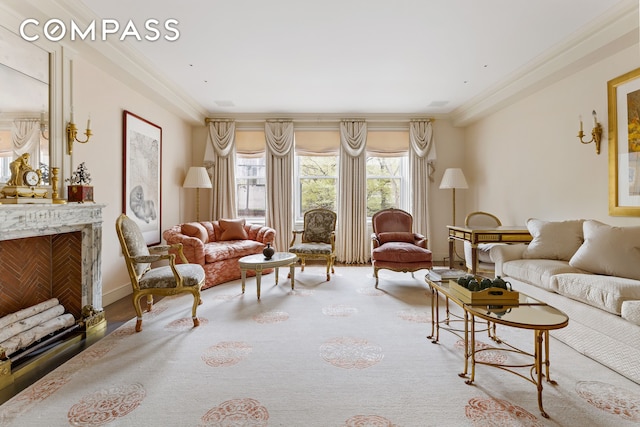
(25,138)
(220,161)
(422,157)
(279,216)
(351,234)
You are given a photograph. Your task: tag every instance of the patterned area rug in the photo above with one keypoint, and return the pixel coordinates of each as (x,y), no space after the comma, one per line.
(338,353)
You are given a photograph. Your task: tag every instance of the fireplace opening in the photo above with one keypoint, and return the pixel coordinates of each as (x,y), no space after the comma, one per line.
(40,296)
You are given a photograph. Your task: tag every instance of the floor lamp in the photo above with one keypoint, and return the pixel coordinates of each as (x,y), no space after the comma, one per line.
(197,178)
(453,178)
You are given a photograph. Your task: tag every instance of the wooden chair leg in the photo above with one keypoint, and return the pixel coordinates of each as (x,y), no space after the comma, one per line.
(149,302)
(136,306)
(196,302)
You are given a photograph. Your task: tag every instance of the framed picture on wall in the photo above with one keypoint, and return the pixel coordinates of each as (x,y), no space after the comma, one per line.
(624,144)
(142,180)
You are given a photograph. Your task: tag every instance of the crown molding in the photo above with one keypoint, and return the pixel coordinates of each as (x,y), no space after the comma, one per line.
(609,34)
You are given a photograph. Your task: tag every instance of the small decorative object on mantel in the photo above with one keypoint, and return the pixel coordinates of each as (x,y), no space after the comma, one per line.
(268,251)
(25,184)
(78,190)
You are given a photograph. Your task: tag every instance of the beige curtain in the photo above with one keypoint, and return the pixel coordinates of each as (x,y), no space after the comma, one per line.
(220,161)
(25,138)
(351,234)
(422,157)
(279,215)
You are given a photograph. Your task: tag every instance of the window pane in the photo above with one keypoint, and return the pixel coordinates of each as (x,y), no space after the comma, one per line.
(384,183)
(382,193)
(383,166)
(317,178)
(251,187)
(318,166)
(317,193)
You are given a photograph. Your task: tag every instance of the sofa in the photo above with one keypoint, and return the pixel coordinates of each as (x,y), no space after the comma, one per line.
(590,271)
(218,245)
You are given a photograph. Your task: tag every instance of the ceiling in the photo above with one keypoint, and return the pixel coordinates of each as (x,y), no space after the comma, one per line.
(353,57)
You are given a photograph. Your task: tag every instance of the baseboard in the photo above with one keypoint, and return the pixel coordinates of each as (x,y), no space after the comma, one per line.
(116,294)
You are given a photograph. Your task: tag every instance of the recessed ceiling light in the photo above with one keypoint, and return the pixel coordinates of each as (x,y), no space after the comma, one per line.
(225,103)
(438,103)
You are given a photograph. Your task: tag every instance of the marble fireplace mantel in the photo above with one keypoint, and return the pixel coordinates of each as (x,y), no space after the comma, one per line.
(31,220)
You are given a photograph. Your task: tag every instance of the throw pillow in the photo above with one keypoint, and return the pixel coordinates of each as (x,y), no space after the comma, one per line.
(396,236)
(553,239)
(609,250)
(233,229)
(195,229)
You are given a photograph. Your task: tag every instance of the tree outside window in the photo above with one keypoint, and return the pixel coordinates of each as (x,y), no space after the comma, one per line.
(384,183)
(317,180)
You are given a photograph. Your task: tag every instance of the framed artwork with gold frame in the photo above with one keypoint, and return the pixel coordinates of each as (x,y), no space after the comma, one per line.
(624,144)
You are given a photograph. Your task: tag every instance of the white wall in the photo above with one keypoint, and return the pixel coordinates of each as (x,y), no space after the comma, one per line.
(526,161)
(104,98)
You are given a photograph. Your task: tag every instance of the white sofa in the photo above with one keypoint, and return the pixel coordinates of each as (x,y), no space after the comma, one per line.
(590,271)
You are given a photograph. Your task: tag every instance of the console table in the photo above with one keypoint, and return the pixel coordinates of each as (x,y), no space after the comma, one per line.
(476,235)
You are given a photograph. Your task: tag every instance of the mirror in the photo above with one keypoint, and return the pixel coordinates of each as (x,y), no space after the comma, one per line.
(24,104)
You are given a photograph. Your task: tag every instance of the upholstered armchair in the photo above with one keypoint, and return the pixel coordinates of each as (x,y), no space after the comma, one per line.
(483,250)
(166,280)
(318,238)
(394,245)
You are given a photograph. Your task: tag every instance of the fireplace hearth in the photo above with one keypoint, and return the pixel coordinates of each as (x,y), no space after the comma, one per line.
(50,251)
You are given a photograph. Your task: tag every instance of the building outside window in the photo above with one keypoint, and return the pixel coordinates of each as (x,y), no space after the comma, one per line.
(251,187)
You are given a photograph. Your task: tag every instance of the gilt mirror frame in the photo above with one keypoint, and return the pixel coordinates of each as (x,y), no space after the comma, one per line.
(61,56)
(624,144)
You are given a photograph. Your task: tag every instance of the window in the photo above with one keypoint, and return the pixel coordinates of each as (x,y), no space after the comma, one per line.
(317,178)
(251,187)
(385,183)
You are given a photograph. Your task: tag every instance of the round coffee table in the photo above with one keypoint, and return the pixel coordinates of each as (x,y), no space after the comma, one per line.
(258,263)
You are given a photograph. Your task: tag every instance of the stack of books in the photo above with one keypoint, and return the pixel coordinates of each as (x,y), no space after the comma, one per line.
(439,274)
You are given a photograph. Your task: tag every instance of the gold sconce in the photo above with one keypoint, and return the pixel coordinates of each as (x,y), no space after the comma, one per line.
(596,132)
(72,134)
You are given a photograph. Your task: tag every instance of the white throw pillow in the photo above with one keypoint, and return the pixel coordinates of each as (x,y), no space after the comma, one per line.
(553,239)
(614,251)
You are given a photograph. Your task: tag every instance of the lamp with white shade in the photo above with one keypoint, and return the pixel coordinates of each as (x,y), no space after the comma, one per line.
(453,178)
(197,178)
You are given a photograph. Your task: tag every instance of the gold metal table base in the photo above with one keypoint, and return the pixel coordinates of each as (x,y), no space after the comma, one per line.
(519,316)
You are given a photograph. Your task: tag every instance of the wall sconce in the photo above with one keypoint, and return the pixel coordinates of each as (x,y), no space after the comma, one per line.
(72,133)
(596,132)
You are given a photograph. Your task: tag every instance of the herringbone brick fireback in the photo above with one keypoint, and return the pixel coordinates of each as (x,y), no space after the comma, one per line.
(34,269)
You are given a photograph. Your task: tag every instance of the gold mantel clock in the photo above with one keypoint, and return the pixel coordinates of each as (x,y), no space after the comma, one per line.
(25,184)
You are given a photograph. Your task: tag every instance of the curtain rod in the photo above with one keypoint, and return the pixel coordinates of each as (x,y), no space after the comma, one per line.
(317,120)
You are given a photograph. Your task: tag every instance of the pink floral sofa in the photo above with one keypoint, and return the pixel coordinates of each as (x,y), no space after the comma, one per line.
(218,245)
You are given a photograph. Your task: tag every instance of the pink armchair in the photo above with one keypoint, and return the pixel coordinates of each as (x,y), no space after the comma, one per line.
(394,246)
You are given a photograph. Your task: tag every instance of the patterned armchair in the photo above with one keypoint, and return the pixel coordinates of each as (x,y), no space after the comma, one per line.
(394,246)
(167,280)
(318,238)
